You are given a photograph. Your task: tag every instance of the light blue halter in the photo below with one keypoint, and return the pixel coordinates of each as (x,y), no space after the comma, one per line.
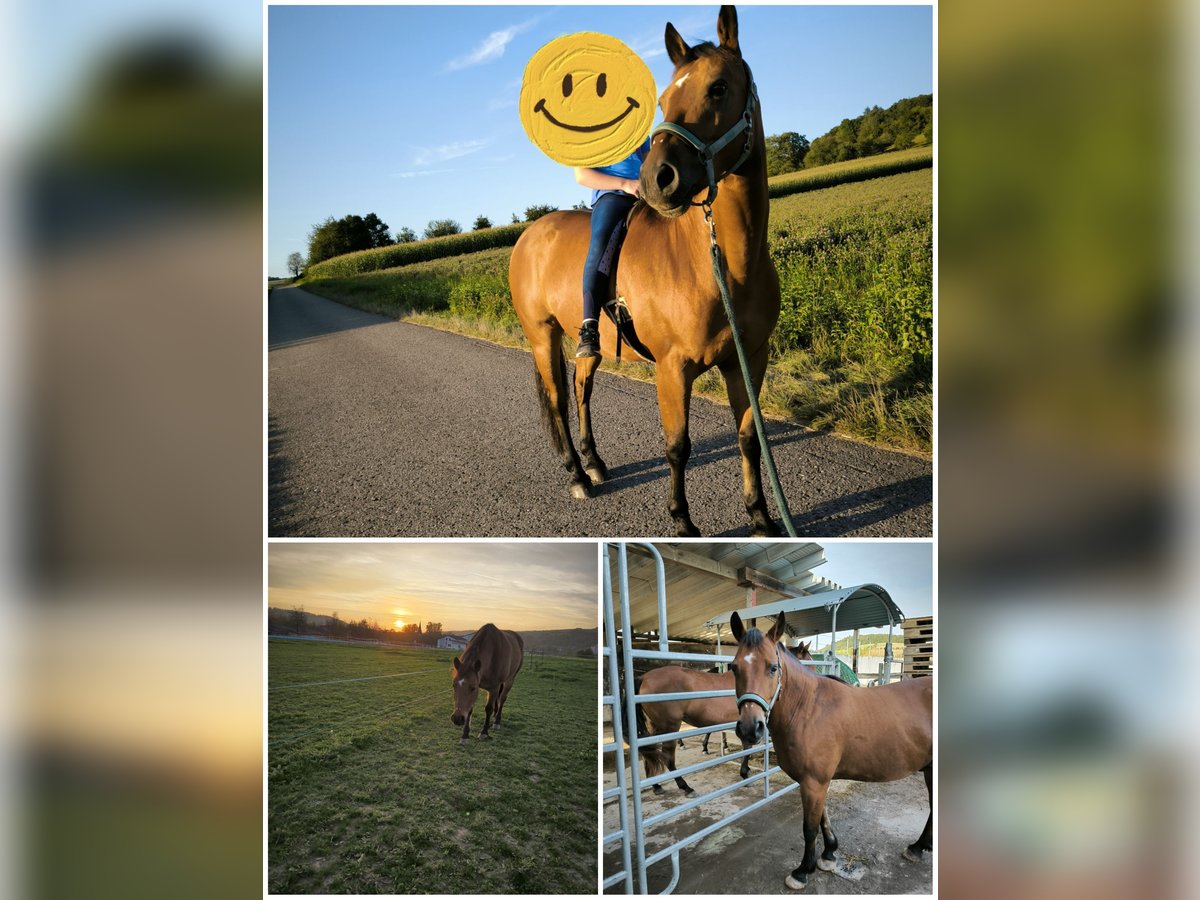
(709,151)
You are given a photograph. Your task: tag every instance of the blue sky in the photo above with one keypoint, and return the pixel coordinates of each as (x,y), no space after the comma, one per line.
(410,112)
(903,568)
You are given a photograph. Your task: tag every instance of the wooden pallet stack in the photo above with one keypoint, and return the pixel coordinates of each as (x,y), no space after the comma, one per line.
(918,647)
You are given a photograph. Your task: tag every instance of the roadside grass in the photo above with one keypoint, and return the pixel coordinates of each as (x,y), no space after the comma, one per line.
(853,348)
(370,792)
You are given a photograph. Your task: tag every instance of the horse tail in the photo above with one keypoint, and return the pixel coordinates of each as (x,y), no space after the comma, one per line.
(558,365)
(656,761)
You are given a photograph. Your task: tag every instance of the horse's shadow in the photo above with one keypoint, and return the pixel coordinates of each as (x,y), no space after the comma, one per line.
(705,451)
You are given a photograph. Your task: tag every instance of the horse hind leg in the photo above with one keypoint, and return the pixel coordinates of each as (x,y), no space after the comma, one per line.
(924,843)
(585,374)
(488,711)
(828,861)
(550,380)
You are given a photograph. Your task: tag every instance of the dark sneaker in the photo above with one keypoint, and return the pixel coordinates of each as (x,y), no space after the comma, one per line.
(589,341)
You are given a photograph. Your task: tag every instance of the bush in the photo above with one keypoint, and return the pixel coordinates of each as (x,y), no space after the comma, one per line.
(485,296)
(442,228)
(482,222)
(533,213)
(414,252)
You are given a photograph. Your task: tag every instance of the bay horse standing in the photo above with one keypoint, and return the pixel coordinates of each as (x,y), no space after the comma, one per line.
(665,273)
(666,716)
(824,729)
(491,661)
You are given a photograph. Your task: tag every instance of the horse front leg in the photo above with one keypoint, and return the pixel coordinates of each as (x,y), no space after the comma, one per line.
(812,799)
(501,696)
(585,374)
(488,711)
(550,380)
(761,524)
(674,399)
(915,850)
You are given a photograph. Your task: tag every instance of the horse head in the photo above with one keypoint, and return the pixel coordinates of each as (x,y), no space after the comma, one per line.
(710,93)
(757,676)
(466,688)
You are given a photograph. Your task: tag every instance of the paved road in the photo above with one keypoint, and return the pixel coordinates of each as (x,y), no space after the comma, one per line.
(379,428)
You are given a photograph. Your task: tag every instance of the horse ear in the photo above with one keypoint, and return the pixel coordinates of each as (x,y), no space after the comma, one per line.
(727,30)
(736,626)
(778,629)
(457,663)
(478,665)
(677,48)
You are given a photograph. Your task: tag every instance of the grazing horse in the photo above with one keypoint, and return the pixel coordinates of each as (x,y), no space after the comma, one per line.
(665,274)
(824,729)
(668,715)
(491,661)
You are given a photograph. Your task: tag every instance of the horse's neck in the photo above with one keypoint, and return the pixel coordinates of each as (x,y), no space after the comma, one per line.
(799,685)
(740,212)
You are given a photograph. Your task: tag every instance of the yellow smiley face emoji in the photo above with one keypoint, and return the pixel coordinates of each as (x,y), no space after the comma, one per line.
(587,100)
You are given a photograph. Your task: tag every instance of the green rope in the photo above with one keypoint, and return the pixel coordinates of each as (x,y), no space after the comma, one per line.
(772,474)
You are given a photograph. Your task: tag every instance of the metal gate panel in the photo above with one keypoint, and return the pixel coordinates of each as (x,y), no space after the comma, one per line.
(627,793)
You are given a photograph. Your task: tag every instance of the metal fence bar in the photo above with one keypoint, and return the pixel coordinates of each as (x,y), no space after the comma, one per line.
(635,775)
(698,767)
(682,695)
(693,802)
(610,654)
(691,732)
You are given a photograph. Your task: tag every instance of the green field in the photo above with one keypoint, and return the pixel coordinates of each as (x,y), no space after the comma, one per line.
(853,351)
(369,791)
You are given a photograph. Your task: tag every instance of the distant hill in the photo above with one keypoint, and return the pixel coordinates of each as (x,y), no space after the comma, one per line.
(906,123)
(559,642)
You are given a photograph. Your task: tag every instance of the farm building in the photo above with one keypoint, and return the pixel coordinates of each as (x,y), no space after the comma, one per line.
(454,641)
(676,611)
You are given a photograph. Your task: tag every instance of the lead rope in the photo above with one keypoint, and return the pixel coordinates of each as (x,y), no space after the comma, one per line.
(772,474)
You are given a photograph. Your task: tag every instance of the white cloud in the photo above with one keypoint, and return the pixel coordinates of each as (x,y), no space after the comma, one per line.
(446,152)
(490,48)
(421,172)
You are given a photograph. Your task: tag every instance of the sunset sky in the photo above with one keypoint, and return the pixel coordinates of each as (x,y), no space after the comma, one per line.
(525,587)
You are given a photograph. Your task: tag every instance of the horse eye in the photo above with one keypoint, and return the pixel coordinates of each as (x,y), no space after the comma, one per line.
(567,85)
(601,84)
(773,670)
(717,91)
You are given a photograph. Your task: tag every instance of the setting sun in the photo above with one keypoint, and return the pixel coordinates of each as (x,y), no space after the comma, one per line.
(398,624)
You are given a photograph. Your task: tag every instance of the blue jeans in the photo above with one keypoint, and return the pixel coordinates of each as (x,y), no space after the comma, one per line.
(608,213)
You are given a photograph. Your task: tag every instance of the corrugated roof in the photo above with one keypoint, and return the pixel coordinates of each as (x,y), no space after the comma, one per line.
(863,606)
(703,581)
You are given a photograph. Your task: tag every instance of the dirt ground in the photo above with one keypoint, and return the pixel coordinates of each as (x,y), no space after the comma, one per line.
(873,822)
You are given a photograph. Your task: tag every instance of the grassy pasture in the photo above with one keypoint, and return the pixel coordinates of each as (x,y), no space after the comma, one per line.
(854,346)
(368,790)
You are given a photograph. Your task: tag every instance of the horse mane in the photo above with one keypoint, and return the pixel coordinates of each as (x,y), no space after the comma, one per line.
(752,638)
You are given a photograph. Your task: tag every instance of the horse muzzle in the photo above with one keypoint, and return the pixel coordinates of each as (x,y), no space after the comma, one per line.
(458,718)
(752,731)
(659,185)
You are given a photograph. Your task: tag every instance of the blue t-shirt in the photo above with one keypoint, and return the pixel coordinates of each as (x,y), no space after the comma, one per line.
(629,167)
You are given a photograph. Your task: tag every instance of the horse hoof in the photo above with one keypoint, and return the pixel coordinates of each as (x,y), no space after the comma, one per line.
(464,742)
(687,792)
(918,856)
(770,529)
(826,865)
(485,737)
(685,528)
(794,884)
(658,788)
(580,491)
(598,474)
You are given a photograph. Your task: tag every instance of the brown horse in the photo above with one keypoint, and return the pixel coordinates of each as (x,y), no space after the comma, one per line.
(824,729)
(665,274)
(491,661)
(668,715)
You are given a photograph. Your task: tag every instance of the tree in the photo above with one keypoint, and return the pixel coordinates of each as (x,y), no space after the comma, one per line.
(377,230)
(334,237)
(785,152)
(405,235)
(297,620)
(482,222)
(533,213)
(442,227)
(516,219)
(295,263)
(582,204)
(433,632)
(411,631)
